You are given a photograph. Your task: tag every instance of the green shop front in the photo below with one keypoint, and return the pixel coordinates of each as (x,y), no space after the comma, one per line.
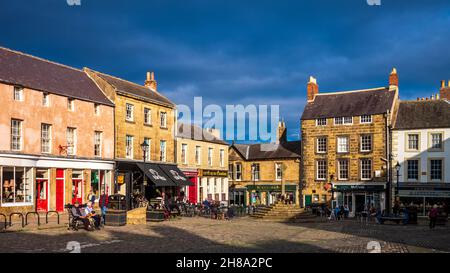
(359,196)
(268,194)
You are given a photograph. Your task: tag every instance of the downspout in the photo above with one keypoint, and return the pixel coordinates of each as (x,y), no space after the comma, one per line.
(389,162)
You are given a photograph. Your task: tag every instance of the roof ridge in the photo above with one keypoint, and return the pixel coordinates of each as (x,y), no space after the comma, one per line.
(352,91)
(40,59)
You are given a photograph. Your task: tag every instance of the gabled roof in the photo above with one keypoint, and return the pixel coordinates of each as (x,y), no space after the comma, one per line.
(21,69)
(350,103)
(191,131)
(423,115)
(135,89)
(262,151)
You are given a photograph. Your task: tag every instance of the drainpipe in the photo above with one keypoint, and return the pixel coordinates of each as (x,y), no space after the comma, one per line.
(388,163)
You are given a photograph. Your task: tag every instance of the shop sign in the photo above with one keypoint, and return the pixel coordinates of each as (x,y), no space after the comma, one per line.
(412,193)
(216,173)
(359,187)
(120,179)
(276,188)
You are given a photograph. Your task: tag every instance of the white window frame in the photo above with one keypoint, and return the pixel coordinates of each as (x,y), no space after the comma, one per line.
(162,150)
(325,171)
(347,161)
(318,121)
(184,148)
(407,169)
(148,148)
(129,112)
(198,155)
(442,169)
(342,121)
(30,191)
(361,140)
(361,170)
(71,147)
(318,145)
(45,99)
(238,172)
(210,156)
(16,138)
(97,109)
(256,170)
(163,119)
(49,138)
(340,145)
(408,148)
(366,119)
(18,93)
(432,148)
(278,167)
(71,104)
(222,157)
(129,146)
(98,135)
(147,116)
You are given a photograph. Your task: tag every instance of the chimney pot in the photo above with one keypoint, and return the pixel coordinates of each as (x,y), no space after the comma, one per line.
(312,88)
(151,82)
(393,78)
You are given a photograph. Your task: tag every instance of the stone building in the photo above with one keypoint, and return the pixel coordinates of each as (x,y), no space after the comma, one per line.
(57,135)
(420,146)
(345,145)
(203,157)
(144,123)
(261,173)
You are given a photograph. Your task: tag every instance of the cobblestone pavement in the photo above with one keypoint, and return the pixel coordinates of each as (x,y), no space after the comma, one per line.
(239,235)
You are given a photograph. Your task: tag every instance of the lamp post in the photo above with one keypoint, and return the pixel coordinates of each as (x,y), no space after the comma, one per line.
(144,147)
(397,168)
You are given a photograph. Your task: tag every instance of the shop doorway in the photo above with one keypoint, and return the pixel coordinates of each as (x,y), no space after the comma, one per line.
(42,189)
(360,202)
(77,187)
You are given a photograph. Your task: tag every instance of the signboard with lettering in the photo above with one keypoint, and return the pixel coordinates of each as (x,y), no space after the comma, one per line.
(359,187)
(216,173)
(276,188)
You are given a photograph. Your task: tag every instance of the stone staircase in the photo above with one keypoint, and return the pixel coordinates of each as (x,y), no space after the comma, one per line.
(282,212)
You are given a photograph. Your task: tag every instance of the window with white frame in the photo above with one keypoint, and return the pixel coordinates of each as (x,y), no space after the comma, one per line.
(321,122)
(162,151)
(148,149)
(231,171)
(97,109)
(238,171)
(184,153)
(321,169)
(436,141)
(163,120)
(46,138)
(366,143)
(255,172)
(129,146)
(365,119)
(71,104)
(18,93)
(71,139)
(17,185)
(16,135)
(436,168)
(147,116)
(412,169)
(129,112)
(343,169)
(321,144)
(222,157)
(97,144)
(278,171)
(343,121)
(413,142)
(366,169)
(198,155)
(210,156)
(342,144)
(45,99)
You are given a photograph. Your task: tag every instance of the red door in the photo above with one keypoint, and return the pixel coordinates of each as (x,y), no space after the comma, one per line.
(77,191)
(42,194)
(193,190)
(59,190)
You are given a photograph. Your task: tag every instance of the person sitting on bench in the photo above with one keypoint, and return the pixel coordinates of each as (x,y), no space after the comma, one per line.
(79,213)
(90,213)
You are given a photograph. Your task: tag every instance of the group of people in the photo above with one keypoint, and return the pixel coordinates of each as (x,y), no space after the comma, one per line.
(91,220)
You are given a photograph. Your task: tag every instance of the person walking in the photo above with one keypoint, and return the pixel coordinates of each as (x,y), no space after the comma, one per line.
(103,204)
(433,216)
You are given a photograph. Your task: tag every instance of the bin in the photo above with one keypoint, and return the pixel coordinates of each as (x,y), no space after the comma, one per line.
(116,215)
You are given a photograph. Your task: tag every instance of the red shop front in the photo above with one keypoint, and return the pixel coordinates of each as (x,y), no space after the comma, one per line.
(192,191)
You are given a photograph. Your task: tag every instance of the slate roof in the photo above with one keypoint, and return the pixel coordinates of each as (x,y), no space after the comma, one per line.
(261,151)
(132,88)
(350,103)
(423,114)
(191,131)
(24,70)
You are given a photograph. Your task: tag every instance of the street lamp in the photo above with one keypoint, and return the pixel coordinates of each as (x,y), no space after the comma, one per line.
(144,147)
(397,168)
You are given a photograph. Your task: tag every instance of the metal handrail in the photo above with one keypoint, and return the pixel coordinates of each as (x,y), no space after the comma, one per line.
(4,217)
(19,214)
(53,211)
(35,213)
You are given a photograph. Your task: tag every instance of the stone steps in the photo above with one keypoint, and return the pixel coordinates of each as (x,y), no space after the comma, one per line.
(281,211)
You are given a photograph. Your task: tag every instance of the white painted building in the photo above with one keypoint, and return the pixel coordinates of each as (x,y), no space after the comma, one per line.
(421,146)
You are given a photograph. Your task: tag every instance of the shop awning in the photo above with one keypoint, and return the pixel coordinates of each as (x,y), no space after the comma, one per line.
(156,174)
(176,175)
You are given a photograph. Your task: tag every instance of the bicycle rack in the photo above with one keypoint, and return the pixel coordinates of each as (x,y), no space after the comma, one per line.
(4,217)
(18,214)
(53,211)
(35,213)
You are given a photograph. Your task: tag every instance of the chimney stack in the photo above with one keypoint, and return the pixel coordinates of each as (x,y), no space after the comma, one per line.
(281,132)
(312,89)
(150,82)
(393,78)
(445,90)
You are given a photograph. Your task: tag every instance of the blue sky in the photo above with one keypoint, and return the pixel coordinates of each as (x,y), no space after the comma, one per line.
(242,52)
